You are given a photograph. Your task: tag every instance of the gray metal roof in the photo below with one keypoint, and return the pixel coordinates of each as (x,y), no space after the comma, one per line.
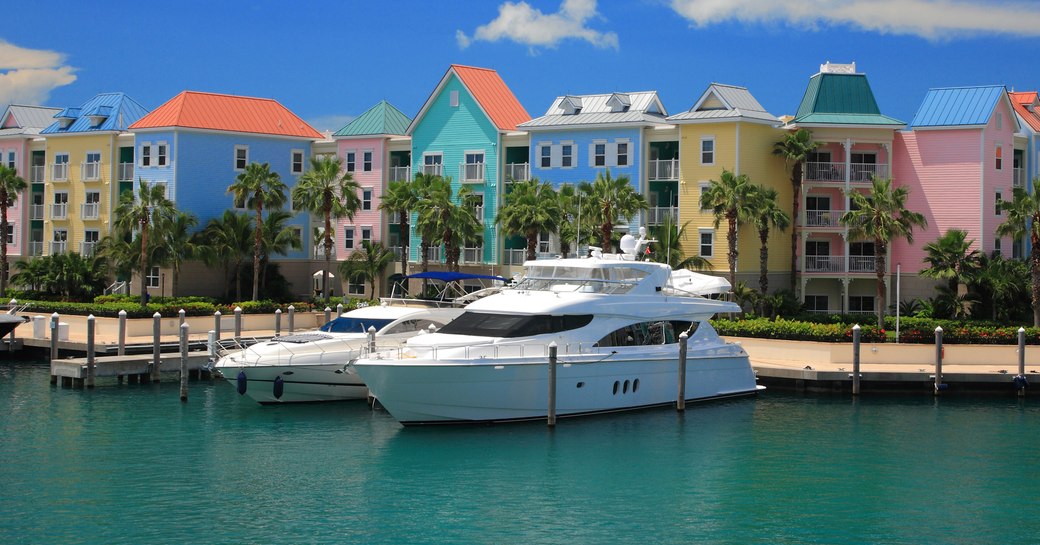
(26,119)
(722,101)
(643,108)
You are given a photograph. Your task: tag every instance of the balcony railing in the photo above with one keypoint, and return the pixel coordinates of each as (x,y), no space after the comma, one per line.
(319,252)
(657,215)
(822,218)
(36,211)
(60,172)
(59,211)
(862,264)
(835,172)
(433,170)
(35,247)
(1019,179)
(863,172)
(517,256)
(86,249)
(478,212)
(434,253)
(90,172)
(58,247)
(126,172)
(400,174)
(663,169)
(472,172)
(89,210)
(36,174)
(518,172)
(824,263)
(473,255)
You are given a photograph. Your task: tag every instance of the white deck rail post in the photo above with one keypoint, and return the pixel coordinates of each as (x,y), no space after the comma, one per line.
(184,362)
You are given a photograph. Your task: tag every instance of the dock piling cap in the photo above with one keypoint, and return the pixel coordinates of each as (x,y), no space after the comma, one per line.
(855,327)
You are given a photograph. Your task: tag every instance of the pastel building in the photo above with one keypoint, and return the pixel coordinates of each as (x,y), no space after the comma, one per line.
(1027,159)
(728,129)
(374,151)
(836,272)
(89,160)
(956,159)
(22,149)
(467,130)
(196,144)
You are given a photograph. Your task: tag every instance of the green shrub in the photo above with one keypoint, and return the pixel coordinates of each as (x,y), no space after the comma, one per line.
(796,330)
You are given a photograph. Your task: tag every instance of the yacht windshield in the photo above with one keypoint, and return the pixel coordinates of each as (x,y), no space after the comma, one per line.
(582,279)
(486,324)
(353,325)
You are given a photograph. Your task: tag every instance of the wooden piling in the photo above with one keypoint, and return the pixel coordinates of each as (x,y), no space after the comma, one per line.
(91,371)
(680,399)
(855,359)
(938,360)
(551,414)
(292,314)
(184,362)
(54,336)
(1021,380)
(156,348)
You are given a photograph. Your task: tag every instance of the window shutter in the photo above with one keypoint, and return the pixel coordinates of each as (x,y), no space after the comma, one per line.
(592,155)
(557,154)
(612,154)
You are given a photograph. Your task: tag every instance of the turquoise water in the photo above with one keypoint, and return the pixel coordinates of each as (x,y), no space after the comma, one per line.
(132,464)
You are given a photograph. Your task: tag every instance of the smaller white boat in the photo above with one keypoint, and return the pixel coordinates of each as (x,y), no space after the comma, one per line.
(315,365)
(11,319)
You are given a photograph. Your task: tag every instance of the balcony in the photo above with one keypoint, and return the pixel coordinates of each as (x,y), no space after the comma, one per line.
(89,211)
(37,173)
(36,211)
(90,172)
(35,248)
(822,218)
(472,173)
(517,256)
(434,254)
(835,172)
(433,170)
(58,247)
(864,172)
(658,215)
(473,255)
(862,264)
(319,252)
(518,172)
(825,263)
(478,212)
(59,211)
(60,172)
(87,249)
(1019,179)
(400,174)
(663,170)
(125,172)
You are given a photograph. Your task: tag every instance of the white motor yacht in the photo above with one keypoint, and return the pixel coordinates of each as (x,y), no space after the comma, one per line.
(616,324)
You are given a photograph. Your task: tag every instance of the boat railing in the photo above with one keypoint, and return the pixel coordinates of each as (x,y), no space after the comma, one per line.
(488,352)
(580,285)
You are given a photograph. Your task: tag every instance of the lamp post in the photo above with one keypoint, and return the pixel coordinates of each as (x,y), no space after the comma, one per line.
(162,284)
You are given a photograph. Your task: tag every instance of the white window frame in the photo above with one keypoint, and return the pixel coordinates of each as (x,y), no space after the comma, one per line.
(703,185)
(366,201)
(453,99)
(701,245)
(544,155)
(87,161)
(245,161)
(350,160)
(366,234)
(714,150)
(618,154)
(12,230)
(145,158)
(296,167)
(430,155)
(594,160)
(162,154)
(567,157)
(68,158)
(152,279)
(367,160)
(998,157)
(996,246)
(12,158)
(348,238)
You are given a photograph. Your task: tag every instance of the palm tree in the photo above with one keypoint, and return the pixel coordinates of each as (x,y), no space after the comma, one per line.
(226,241)
(464,229)
(1023,219)
(567,227)
(31,273)
(432,194)
(258,187)
(400,199)
(730,198)
(326,191)
(11,185)
(530,208)
(951,258)
(367,264)
(669,250)
(150,208)
(766,215)
(606,199)
(179,245)
(882,216)
(122,253)
(279,238)
(1001,284)
(795,149)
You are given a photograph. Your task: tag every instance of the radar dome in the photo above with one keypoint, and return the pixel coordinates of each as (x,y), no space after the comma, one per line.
(628,245)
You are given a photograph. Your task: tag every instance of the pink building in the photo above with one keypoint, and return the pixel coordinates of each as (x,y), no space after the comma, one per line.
(23,150)
(957,159)
(375,152)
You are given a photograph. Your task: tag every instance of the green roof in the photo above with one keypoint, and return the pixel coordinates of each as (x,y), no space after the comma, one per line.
(382,118)
(844,99)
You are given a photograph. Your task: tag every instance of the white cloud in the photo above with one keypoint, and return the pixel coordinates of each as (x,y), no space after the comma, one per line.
(521,23)
(333,122)
(930,19)
(27,76)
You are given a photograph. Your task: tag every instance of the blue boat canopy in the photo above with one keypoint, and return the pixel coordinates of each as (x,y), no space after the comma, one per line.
(449,276)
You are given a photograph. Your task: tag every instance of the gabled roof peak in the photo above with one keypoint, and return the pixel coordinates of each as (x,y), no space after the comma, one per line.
(221,112)
(489,91)
(381,119)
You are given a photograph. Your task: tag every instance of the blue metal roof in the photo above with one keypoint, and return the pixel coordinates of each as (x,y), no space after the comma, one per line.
(958,106)
(117,110)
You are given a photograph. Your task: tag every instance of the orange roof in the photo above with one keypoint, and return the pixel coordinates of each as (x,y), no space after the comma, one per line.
(195,110)
(1021,102)
(493,95)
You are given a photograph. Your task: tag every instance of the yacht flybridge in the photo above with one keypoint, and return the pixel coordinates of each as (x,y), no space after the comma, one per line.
(616,324)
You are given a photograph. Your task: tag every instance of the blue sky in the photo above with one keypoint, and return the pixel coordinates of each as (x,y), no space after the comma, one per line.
(331,60)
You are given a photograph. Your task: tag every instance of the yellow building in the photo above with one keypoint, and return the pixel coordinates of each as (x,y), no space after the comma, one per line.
(727,129)
(88,160)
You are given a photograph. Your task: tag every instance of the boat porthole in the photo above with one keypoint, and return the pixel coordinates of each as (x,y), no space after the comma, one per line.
(625,389)
(616,385)
(581,384)
(635,385)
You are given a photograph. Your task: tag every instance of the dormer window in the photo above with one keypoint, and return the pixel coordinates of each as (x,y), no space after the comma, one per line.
(571,105)
(97,120)
(619,102)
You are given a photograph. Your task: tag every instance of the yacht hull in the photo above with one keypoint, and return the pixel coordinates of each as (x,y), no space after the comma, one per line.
(442,392)
(300,383)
